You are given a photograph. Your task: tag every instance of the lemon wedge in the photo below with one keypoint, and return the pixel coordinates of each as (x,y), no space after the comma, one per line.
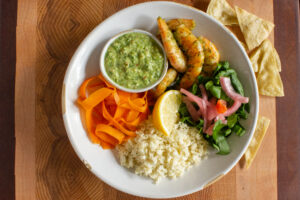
(165,113)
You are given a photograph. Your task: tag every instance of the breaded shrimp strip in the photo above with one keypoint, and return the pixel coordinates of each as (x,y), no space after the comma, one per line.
(211,53)
(168,79)
(174,54)
(193,49)
(174,23)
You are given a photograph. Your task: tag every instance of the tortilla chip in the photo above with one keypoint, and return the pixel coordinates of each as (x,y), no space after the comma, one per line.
(244,45)
(267,75)
(255,55)
(254,29)
(222,11)
(260,131)
(254,60)
(277,59)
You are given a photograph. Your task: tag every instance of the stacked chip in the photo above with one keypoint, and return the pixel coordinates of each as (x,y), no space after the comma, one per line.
(264,58)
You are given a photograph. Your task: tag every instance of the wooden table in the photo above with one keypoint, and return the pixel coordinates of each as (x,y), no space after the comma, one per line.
(46,167)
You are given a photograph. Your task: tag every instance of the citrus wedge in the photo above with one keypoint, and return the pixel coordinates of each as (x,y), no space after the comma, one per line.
(165,113)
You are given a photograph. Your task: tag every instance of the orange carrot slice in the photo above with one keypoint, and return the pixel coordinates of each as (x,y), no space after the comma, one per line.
(106,145)
(132,123)
(111,115)
(115,123)
(132,115)
(83,87)
(119,136)
(91,127)
(106,83)
(136,105)
(120,112)
(116,97)
(95,98)
(106,138)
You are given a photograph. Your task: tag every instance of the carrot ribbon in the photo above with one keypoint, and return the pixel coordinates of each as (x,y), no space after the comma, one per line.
(111,115)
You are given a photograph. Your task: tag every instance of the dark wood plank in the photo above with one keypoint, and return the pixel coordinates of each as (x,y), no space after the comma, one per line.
(8,12)
(288,113)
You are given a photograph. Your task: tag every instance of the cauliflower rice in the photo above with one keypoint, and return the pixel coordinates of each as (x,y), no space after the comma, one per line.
(155,155)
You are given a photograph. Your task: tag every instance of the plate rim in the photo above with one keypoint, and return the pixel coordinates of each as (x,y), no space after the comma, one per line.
(213,179)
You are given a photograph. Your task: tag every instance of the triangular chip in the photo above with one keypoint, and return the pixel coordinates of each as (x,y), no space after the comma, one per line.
(277,59)
(254,29)
(260,131)
(244,45)
(267,75)
(255,55)
(222,11)
(254,58)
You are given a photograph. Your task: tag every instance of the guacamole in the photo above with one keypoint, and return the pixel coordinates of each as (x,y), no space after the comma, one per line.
(134,60)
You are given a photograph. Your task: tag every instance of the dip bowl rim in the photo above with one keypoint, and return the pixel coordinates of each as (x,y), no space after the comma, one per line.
(112,82)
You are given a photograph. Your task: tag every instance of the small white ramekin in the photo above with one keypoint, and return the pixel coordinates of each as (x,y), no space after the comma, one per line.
(102,63)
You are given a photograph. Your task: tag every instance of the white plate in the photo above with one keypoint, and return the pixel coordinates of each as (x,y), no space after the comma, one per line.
(85,63)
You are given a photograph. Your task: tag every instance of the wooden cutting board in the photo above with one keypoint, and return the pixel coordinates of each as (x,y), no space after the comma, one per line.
(46,167)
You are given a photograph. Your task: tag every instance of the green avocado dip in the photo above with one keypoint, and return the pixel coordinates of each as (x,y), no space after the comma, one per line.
(134,60)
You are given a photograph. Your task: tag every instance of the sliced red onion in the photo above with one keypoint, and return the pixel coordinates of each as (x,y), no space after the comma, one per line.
(209,130)
(200,102)
(222,118)
(192,110)
(204,114)
(203,92)
(211,111)
(228,89)
(232,109)
(213,100)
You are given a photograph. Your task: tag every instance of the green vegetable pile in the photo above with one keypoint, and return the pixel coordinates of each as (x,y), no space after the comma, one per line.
(220,131)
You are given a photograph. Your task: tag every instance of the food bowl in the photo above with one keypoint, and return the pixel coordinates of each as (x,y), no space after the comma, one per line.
(85,63)
(106,76)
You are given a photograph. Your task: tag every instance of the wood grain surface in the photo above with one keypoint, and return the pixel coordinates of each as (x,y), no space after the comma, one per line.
(46,166)
(8,20)
(288,112)
(25,162)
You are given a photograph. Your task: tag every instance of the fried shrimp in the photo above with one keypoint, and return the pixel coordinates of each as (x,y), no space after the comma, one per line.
(168,79)
(211,53)
(193,49)
(174,23)
(174,54)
